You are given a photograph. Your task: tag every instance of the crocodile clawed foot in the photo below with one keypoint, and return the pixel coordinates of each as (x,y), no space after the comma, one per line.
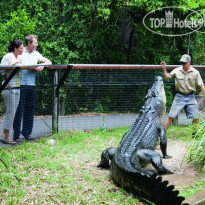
(167,157)
(165,171)
(103,166)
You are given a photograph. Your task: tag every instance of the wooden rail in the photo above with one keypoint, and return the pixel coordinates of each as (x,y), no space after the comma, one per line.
(97,66)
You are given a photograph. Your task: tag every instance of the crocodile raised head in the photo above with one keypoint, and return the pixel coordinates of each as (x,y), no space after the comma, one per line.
(137,148)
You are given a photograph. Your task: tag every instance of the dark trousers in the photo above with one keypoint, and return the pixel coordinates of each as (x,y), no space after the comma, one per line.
(24,113)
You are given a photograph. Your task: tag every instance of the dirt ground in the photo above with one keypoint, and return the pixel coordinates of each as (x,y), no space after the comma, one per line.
(184,173)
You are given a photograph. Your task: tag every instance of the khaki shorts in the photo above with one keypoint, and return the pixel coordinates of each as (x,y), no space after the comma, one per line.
(188,103)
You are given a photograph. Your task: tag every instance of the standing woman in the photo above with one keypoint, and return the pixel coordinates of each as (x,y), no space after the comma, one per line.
(10,94)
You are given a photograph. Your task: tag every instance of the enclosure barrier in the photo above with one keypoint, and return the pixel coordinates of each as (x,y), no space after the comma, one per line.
(58,80)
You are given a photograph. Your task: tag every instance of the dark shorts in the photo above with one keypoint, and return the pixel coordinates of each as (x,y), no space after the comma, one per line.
(188,103)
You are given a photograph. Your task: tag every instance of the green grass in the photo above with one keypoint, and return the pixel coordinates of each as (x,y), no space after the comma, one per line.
(194,188)
(66,173)
(184,133)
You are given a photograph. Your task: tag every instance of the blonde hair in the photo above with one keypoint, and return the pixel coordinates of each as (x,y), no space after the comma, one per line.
(29,38)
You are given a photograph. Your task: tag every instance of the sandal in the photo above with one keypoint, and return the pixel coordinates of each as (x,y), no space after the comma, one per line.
(11,142)
(18,140)
(29,138)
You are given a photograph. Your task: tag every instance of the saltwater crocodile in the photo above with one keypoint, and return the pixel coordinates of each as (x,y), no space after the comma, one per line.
(137,148)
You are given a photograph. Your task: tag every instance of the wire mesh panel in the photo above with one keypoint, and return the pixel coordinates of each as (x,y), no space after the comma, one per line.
(104,98)
(91,98)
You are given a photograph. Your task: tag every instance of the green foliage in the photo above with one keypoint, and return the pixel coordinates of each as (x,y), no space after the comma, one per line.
(88,31)
(197,48)
(17,27)
(169,96)
(194,188)
(196,150)
(99,107)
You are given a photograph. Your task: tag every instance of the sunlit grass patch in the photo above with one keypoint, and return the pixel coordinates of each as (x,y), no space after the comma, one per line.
(66,173)
(62,174)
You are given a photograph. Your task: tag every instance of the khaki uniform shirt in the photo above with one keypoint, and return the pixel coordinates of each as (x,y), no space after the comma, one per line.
(186,82)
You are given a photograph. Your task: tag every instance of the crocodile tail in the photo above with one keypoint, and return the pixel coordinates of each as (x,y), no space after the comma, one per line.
(147,188)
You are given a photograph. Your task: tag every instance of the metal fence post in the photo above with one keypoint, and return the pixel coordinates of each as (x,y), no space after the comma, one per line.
(56,87)
(55,112)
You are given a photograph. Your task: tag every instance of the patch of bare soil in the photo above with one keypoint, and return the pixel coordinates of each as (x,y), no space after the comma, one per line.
(184,174)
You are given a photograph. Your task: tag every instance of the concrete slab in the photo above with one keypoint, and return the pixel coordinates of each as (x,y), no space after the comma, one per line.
(43,125)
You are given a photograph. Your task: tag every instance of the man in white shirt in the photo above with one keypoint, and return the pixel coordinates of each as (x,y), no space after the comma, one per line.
(25,110)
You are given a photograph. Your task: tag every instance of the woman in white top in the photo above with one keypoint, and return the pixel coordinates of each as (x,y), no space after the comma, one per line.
(11,93)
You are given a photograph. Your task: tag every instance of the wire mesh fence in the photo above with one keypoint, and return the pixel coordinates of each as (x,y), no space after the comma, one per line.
(92,98)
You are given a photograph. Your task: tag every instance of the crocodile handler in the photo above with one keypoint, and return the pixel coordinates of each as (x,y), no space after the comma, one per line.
(186,80)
